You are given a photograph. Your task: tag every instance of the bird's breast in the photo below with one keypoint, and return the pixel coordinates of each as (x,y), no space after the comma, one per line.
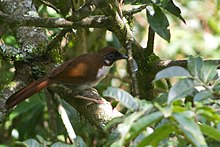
(102,72)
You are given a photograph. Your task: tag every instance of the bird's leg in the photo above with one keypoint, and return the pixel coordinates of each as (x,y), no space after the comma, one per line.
(98,101)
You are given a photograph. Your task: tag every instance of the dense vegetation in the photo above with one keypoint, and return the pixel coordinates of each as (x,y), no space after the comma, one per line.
(155,101)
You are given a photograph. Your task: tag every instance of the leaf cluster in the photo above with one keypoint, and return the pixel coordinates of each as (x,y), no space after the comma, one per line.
(187,114)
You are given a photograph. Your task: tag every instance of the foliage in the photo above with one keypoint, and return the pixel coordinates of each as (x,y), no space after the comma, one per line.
(185,113)
(189,115)
(198,36)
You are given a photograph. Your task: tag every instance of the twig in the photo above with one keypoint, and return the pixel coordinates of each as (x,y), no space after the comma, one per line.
(182,63)
(135,91)
(129,40)
(50,5)
(56,39)
(134,10)
(87,98)
(51,109)
(72,7)
(150,41)
(85,11)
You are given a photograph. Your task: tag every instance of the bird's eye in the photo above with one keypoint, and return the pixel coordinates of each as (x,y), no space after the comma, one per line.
(111,56)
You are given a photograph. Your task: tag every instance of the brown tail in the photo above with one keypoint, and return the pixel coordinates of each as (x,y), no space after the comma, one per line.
(28,91)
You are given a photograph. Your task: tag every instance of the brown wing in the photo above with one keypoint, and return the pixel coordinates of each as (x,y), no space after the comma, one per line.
(78,70)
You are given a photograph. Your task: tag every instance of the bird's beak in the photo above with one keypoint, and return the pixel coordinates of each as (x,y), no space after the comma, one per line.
(123,57)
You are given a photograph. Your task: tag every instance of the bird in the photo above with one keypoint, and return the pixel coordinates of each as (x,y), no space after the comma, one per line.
(80,73)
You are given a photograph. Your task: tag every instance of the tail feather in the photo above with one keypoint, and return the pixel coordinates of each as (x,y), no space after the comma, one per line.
(28,91)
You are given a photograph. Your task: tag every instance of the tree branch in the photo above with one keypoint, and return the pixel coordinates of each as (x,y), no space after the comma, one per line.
(150,41)
(102,111)
(182,63)
(89,22)
(134,10)
(86,10)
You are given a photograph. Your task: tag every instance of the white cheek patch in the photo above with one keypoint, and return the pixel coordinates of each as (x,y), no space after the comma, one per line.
(107,62)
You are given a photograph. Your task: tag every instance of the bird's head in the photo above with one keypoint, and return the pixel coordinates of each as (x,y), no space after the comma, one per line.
(111,55)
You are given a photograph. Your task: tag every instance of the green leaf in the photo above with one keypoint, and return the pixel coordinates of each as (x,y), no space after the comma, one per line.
(60,144)
(208,72)
(31,143)
(207,112)
(194,65)
(189,128)
(181,89)
(210,131)
(158,22)
(158,135)
(142,123)
(35,105)
(119,134)
(172,8)
(204,94)
(173,71)
(124,97)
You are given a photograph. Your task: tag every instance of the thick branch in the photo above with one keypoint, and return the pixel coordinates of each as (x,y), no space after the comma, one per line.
(93,21)
(102,111)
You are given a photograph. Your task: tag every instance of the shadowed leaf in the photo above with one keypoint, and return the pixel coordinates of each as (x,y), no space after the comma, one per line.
(122,96)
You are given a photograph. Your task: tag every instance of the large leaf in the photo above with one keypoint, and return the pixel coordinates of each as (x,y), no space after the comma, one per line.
(194,65)
(60,144)
(35,105)
(158,135)
(181,89)
(31,143)
(158,22)
(124,97)
(189,128)
(124,127)
(208,72)
(172,8)
(173,71)
(202,95)
(207,112)
(210,131)
(142,123)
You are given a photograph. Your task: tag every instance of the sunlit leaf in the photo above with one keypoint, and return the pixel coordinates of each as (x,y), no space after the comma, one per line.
(210,131)
(207,112)
(123,128)
(158,22)
(31,143)
(194,65)
(173,71)
(181,89)
(208,72)
(204,94)
(124,97)
(190,128)
(158,135)
(142,123)
(60,144)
